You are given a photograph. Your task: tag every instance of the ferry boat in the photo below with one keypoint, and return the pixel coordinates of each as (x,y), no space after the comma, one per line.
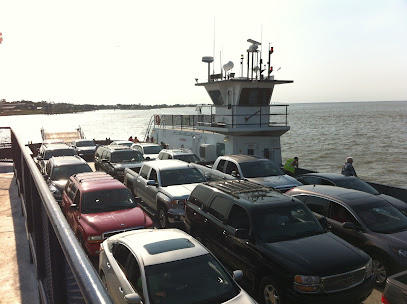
(241,120)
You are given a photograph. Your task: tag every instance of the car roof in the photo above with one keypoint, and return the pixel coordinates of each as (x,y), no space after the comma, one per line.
(330,176)
(243,157)
(145,144)
(345,195)
(168,164)
(67,160)
(249,194)
(97,181)
(157,246)
(57,146)
(118,142)
(83,139)
(177,151)
(116,147)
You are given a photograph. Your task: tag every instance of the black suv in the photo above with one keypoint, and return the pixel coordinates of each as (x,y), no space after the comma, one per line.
(285,253)
(59,169)
(84,147)
(113,160)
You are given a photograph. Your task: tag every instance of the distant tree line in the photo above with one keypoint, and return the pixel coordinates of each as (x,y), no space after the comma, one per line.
(43,107)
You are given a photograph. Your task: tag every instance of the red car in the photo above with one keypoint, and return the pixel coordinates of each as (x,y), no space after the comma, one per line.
(97,206)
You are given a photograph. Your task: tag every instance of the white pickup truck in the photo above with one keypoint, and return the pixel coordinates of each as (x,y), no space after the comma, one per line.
(164,186)
(256,169)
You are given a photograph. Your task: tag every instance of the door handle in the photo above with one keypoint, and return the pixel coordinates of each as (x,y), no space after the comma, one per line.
(205,220)
(224,233)
(121,290)
(108,265)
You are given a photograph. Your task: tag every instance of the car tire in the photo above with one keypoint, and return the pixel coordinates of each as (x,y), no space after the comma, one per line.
(270,292)
(380,269)
(163,216)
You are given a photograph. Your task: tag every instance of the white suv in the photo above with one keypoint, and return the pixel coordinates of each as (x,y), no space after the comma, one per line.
(181,154)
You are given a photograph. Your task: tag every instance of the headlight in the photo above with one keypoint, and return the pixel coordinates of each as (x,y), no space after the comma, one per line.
(95,239)
(369,268)
(307,283)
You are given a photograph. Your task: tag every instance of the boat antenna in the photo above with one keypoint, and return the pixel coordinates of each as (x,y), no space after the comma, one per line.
(214,42)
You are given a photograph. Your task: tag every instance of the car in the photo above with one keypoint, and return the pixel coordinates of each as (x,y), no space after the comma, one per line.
(181,154)
(165,266)
(84,147)
(365,220)
(59,169)
(113,160)
(148,150)
(284,251)
(350,182)
(126,143)
(395,290)
(97,206)
(49,150)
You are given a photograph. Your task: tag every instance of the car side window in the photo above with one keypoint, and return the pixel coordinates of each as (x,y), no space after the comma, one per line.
(230,167)
(340,214)
(71,191)
(317,204)
(220,207)
(221,165)
(153,175)
(238,218)
(200,197)
(120,253)
(77,198)
(133,275)
(326,182)
(310,180)
(144,171)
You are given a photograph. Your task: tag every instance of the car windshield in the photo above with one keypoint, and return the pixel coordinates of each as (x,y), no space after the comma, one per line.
(64,172)
(181,176)
(152,149)
(381,217)
(260,168)
(126,156)
(59,152)
(189,158)
(356,184)
(292,221)
(195,280)
(107,200)
(87,143)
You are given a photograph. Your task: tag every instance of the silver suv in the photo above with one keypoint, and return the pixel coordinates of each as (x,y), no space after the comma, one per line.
(181,154)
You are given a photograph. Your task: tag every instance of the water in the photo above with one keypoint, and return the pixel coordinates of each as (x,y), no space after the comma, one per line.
(321,135)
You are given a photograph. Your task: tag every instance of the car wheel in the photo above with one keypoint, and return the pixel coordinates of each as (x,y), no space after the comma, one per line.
(380,270)
(163,217)
(270,292)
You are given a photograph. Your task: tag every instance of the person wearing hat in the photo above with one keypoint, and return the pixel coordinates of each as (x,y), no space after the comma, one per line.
(348,169)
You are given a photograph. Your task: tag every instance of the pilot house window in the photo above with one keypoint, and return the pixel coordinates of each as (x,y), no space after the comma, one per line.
(255,97)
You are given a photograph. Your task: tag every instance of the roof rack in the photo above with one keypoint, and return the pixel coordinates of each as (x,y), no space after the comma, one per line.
(84,177)
(236,187)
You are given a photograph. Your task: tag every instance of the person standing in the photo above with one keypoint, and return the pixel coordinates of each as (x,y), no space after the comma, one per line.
(291,164)
(348,169)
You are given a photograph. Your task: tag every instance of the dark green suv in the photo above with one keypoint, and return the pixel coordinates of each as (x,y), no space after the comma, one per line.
(284,251)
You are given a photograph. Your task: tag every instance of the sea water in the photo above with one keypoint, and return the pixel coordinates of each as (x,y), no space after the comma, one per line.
(321,135)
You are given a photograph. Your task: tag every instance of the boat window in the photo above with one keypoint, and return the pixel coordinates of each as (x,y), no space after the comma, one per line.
(220,149)
(216,97)
(255,97)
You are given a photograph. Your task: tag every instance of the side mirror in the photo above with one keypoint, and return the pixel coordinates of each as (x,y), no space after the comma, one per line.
(208,176)
(237,275)
(242,233)
(132,298)
(323,221)
(151,182)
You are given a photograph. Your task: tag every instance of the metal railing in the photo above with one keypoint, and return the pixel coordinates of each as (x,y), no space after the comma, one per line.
(261,116)
(64,272)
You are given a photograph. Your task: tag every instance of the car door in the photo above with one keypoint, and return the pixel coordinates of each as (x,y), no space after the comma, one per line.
(141,182)
(73,214)
(337,215)
(116,271)
(216,229)
(151,190)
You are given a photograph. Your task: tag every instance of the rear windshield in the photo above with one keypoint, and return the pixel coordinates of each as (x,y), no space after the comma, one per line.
(107,200)
(60,152)
(189,158)
(152,149)
(88,143)
(356,184)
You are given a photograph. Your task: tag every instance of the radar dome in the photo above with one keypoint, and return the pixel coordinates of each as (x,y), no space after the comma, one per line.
(228,66)
(207,59)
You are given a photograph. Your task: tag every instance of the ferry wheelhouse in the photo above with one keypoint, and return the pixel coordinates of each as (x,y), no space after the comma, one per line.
(241,120)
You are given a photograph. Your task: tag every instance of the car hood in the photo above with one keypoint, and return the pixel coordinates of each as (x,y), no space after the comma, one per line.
(279,181)
(121,166)
(320,255)
(179,191)
(116,220)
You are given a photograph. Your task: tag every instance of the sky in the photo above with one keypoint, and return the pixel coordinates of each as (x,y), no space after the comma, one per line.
(150,52)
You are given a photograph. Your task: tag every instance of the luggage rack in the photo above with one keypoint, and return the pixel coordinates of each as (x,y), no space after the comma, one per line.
(84,177)
(236,187)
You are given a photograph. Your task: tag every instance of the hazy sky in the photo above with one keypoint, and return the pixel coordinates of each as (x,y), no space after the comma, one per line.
(149,52)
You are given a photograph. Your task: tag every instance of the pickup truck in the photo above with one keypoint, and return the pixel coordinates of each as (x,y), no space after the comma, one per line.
(252,168)
(396,289)
(164,186)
